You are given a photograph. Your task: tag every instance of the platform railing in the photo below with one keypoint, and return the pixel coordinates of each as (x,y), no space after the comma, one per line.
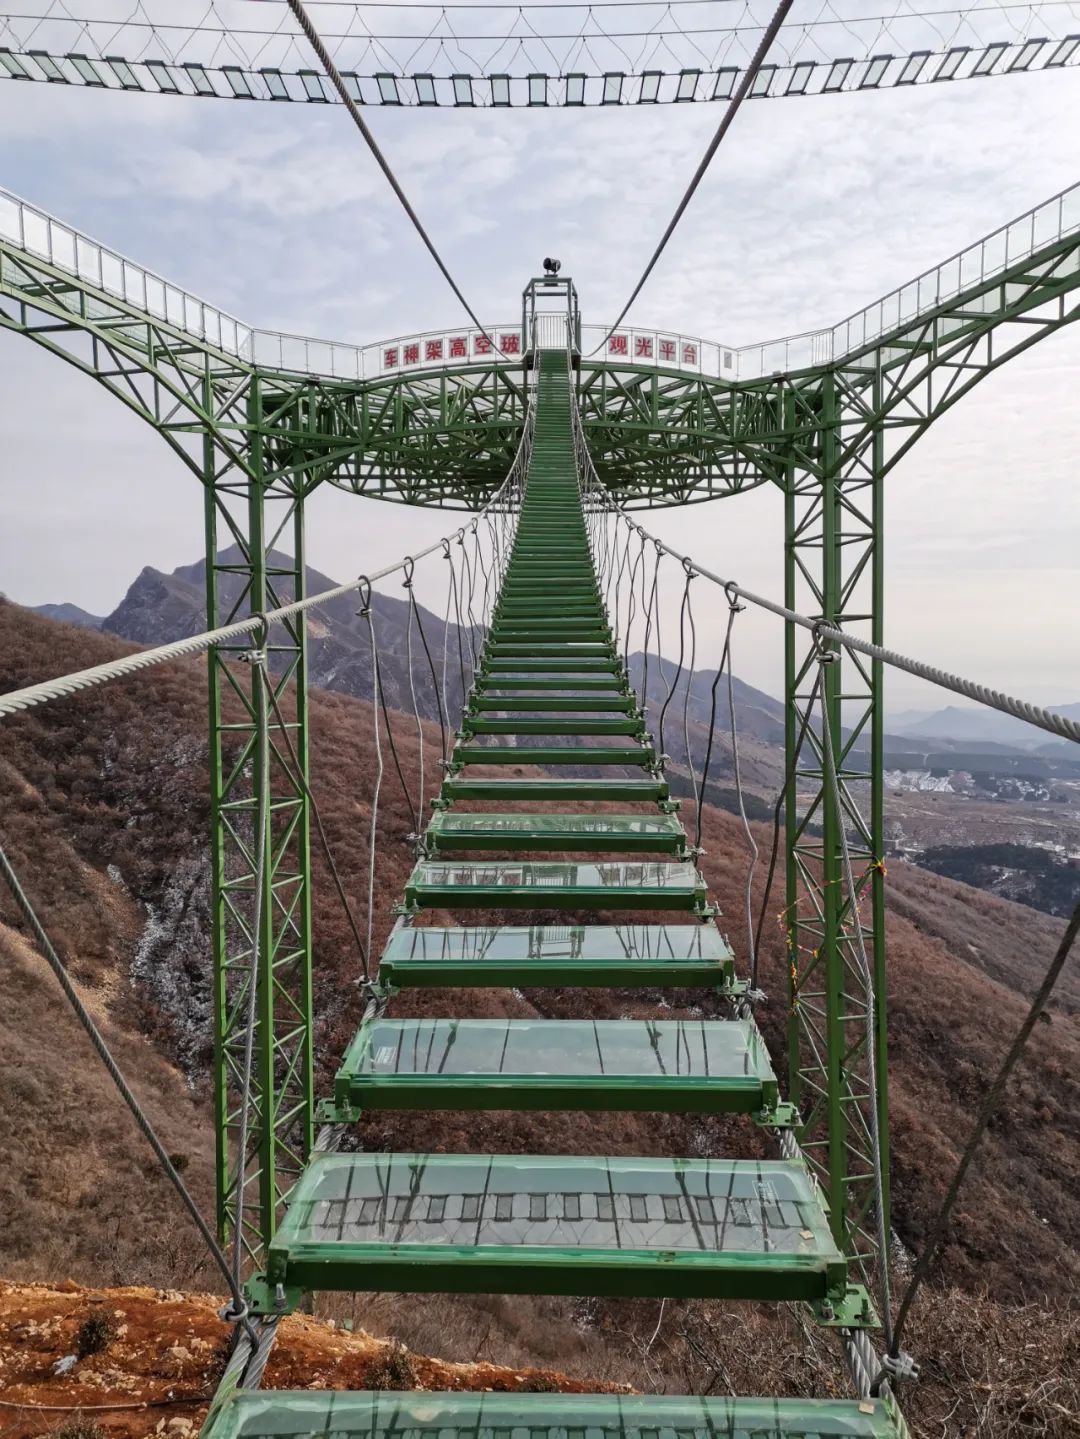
(33,230)
(40,234)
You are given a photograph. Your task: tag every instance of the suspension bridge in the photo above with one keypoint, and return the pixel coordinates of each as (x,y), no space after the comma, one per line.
(554,835)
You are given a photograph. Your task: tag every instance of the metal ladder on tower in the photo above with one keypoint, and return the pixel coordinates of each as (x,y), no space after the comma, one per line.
(552,691)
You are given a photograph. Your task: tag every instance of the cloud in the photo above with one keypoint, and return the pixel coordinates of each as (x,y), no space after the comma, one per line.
(812,208)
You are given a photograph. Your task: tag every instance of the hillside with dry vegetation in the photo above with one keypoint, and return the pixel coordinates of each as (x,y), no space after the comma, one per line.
(105,813)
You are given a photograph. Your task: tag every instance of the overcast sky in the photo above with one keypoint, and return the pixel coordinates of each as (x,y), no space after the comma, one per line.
(813,208)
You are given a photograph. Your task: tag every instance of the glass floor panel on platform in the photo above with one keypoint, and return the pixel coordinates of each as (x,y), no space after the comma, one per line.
(617,954)
(753,1229)
(387,1415)
(679,1065)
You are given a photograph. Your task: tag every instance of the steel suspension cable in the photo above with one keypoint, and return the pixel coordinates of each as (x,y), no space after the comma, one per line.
(335,78)
(789,779)
(239,1309)
(302,781)
(749,75)
(431,667)
(734,608)
(674,685)
(1045,719)
(375,686)
(412,692)
(686,704)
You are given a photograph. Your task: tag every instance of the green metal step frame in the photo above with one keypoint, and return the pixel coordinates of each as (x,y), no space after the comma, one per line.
(541,956)
(717,1066)
(574,833)
(460,1414)
(811,1269)
(530,884)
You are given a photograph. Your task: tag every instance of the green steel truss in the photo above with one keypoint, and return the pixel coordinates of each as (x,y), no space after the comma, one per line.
(260,440)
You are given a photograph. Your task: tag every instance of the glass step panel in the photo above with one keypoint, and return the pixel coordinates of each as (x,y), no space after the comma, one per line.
(639,755)
(545,883)
(557,831)
(571,954)
(518,790)
(338,1414)
(511,1223)
(675,1066)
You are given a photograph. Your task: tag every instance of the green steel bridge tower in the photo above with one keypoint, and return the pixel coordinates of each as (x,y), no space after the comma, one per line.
(653,420)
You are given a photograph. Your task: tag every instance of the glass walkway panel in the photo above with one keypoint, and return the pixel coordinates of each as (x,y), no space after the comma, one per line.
(519,1224)
(538,955)
(613,833)
(301,1414)
(548,885)
(717,1065)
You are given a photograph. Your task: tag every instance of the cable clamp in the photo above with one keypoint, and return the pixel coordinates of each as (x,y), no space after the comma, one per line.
(688,566)
(897,1367)
(731,589)
(409,566)
(363,584)
(235,1312)
(445,548)
(256,655)
(756,996)
(825,656)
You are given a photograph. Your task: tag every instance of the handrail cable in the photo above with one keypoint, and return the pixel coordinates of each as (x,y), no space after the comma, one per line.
(301,780)
(239,1308)
(335,78)
(1044,719)
(749,75)
(64,685)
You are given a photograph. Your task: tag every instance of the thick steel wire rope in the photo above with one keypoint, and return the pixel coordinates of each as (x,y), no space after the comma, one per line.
(986,1113)
(62,686)
(869,1002)
(335,78)
(1044,719)
(749,75)
(239,1310)
(301,780)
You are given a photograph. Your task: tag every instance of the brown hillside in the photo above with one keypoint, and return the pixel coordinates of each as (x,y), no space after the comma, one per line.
(117,778)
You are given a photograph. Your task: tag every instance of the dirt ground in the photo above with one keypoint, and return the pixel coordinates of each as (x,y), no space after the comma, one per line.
(163,1354)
